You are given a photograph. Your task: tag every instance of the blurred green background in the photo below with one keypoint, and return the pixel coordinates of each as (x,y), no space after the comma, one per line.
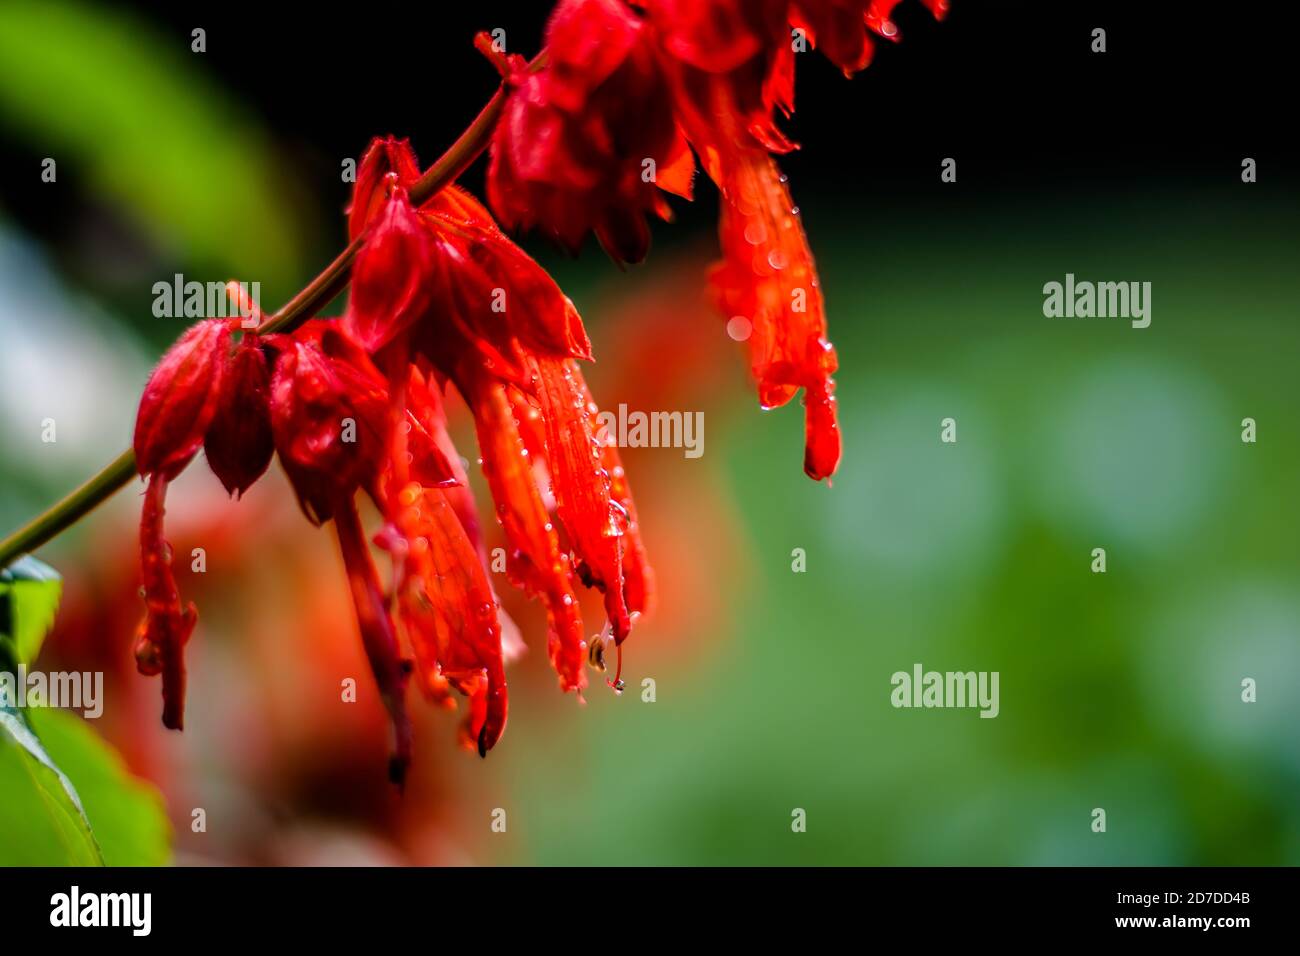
(1119,690)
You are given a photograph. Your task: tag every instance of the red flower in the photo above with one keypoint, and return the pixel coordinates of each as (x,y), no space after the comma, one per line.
(586,143)
(767,282)
(502,332)
(442,298)
(447,275)
(176,408)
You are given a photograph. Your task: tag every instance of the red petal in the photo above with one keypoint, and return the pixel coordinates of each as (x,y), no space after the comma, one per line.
(377,634)
(390,279)
(448,611)
(167,626)
(594,523)
(536,564)
(768,277)
(498,291)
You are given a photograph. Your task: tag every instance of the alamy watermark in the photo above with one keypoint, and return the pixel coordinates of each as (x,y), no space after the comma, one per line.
(1102,300)
(70,690)
(179,299)
(627,429)
(133,911)
(922,688)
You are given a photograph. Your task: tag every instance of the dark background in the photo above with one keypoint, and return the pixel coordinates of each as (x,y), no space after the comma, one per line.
(1013,89)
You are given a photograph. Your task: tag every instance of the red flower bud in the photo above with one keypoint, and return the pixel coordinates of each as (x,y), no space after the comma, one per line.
(180,399)
(382,157)
(239,443)
(391,288)
(329,422)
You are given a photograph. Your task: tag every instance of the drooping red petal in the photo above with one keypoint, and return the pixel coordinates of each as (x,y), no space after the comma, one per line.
(425,408)
(638,576)
(768,279)
(180,399)
(238,444)
(167,626)
(447,610)
(391,671)
(535,562)
(595,523)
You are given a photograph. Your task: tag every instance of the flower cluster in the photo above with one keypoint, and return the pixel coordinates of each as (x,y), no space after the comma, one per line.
(625,98)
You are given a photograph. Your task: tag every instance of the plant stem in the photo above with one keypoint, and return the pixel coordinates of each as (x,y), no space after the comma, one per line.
(332,280)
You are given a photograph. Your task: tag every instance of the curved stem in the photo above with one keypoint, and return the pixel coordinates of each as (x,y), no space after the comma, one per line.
(332,280)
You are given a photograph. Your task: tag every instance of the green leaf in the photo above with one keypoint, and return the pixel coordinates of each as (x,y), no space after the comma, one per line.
(42,822)
(127,814)
(29,598)
(108,816)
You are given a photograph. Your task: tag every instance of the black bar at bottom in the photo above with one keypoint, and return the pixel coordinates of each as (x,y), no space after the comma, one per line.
(446,906)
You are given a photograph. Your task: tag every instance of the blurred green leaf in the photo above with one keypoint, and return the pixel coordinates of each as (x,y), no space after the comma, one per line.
(43,823)
(29,597)
(108,816)
(133,108)
(126,814)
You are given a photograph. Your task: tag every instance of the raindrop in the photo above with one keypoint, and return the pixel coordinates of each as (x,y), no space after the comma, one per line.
(739,328)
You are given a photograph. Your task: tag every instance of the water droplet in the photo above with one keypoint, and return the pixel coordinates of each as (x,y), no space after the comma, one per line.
(739,328)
